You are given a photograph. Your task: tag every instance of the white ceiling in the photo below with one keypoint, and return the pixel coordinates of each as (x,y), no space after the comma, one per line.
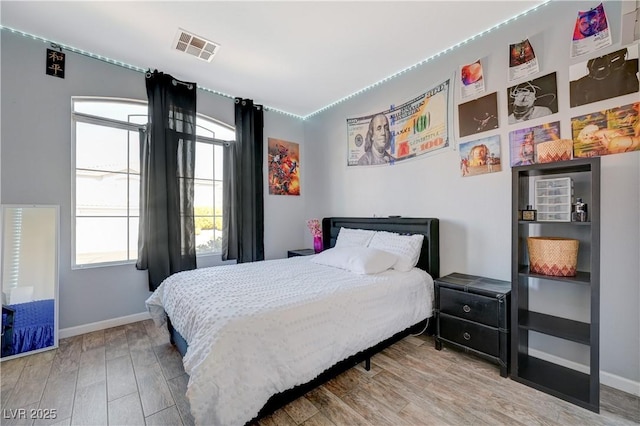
(294,56)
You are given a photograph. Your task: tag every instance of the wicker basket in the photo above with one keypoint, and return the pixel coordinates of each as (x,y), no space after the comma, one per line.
(556,150)
(553,256)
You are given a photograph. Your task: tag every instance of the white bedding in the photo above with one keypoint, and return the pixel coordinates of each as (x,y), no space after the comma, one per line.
(257,329)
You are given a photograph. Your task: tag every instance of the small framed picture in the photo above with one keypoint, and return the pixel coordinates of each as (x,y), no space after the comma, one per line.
(529,215)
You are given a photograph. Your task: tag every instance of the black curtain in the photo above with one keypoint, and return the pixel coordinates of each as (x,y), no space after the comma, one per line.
(243,211)
(166,237)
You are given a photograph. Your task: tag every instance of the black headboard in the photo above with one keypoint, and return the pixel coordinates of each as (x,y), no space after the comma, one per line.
(429,227)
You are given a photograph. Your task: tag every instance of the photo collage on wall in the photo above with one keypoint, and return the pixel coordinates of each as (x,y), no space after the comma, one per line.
(534,97)
(531,95)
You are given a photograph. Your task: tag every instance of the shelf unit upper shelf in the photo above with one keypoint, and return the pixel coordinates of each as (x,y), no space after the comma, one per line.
(580,278)
(535,222)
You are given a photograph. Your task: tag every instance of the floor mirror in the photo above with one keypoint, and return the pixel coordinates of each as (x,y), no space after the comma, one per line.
(29,279)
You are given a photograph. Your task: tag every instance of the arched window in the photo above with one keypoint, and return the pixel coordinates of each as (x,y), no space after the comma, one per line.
(106,184)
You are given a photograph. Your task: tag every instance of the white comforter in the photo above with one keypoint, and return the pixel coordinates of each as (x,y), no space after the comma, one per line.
(257,329)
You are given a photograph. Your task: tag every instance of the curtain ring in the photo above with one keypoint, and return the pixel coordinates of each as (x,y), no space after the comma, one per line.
(174,82)
(237,100)
(148,74)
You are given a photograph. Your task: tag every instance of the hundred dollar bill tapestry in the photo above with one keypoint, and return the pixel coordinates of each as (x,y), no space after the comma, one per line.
(417,127)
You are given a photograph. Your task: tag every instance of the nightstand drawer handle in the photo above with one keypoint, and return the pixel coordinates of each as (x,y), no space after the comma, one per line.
(466,336)
(466,308)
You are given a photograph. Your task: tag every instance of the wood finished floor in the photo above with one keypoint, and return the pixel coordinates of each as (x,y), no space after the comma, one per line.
(131,375)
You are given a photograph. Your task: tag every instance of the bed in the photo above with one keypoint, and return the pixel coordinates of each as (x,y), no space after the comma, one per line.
(27,326)
(255,336)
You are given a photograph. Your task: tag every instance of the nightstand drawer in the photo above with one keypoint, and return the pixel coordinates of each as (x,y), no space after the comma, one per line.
(472,307)
(475,336)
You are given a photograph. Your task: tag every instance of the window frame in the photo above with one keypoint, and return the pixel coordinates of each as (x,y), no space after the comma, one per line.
(81,117)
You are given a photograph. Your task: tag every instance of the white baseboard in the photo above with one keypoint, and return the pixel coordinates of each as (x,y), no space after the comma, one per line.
(608,379)
(101,325)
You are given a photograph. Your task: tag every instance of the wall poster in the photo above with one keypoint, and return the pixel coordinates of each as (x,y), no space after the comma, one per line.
(607,76)
(523,142)
(611,131)
(417,127)
(479,115)
(284,167)
(471,79)
(591,32)
(480,156)
(533,99)
(522,60)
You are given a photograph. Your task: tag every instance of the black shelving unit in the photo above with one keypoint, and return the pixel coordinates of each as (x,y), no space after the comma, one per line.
(579,388)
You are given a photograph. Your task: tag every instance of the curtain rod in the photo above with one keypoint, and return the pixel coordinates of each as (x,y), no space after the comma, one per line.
(176,82)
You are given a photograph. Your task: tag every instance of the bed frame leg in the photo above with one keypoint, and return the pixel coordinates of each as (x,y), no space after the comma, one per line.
(170,328)
(367,364)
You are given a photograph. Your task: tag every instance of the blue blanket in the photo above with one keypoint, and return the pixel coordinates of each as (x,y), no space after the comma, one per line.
(33,326)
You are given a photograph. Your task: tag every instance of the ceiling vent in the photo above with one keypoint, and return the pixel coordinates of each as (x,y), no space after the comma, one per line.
(195,45)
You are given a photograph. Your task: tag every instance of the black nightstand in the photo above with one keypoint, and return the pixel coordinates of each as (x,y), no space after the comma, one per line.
(472,313)
(300,252)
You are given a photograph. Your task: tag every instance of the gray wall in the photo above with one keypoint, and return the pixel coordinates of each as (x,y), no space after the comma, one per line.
(37,168)
(475,212)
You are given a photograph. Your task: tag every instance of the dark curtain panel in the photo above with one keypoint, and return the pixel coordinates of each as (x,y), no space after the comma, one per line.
(166,237)
(243,213)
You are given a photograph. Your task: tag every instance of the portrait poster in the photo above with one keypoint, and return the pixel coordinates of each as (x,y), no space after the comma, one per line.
(533,99)
(522,60)
(523,142)
(479,115)
(612,131)
(284,167)
(471,79)
(604,77)
(591,32)
(417,127)
(480,156)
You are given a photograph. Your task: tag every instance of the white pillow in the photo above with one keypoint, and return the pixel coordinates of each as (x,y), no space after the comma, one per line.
(360,260)
(348,237)
(406,248)
(21,295)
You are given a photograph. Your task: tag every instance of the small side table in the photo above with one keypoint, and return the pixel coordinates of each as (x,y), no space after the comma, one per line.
(472,313)
(300,252)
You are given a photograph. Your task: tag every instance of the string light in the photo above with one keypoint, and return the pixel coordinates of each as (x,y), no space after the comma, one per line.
(424,61)
(276,110)
(128,66)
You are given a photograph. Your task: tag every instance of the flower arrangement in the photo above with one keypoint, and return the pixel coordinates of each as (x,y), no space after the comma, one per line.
(316,231)
(314,227)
